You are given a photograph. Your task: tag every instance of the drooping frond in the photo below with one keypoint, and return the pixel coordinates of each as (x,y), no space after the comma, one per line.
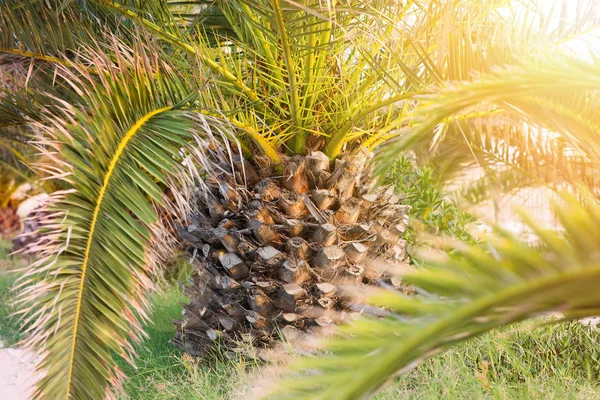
(495,154)
(559,97)
(462,296)
(111,159)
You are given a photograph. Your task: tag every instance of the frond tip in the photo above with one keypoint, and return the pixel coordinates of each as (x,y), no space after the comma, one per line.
(468,293)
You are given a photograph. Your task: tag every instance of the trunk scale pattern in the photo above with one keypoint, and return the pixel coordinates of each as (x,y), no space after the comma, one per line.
(271,249)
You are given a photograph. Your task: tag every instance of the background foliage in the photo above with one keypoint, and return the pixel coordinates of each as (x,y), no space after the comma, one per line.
(432,211)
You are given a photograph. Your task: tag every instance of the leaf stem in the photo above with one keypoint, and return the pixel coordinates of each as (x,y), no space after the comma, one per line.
(174,40)
(298,141)
(50,59)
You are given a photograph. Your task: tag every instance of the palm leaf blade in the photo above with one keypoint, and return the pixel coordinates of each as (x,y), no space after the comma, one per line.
(91,278)
(522,285)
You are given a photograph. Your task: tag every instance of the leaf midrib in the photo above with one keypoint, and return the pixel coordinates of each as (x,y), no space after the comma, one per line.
(113,163)
(469,311)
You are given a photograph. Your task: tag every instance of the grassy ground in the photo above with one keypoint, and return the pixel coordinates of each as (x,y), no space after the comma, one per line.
(551,362)
(161,372)
(9,326)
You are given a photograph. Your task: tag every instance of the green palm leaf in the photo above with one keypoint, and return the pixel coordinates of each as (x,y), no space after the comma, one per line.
(463,295)
(112,160)
(511,156)
(532,93)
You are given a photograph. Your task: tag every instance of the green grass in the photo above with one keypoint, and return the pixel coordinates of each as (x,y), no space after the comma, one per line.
(162,372)
(551,362)
(9,325)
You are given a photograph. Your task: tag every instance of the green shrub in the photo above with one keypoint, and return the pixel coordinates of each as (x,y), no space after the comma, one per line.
(432,212)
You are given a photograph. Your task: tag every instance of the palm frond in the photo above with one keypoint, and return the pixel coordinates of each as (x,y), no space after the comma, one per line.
(462,295)
(110,159)
(15,163)
(511,157)
(35,31)
(16,154)
(532,93)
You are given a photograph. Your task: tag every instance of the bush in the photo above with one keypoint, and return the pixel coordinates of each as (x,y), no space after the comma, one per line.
(432,212)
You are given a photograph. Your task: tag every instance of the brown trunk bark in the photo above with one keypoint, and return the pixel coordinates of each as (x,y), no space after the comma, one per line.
(271,256)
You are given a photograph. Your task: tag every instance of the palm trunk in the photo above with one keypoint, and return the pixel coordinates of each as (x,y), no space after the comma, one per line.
(271,253)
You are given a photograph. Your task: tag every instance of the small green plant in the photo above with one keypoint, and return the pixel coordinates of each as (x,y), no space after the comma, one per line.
(178,271)
(431,211)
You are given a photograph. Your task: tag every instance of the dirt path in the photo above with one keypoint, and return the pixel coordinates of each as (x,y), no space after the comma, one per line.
(17,373)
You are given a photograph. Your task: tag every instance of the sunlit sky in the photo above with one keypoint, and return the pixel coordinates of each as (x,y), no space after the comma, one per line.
(572,12)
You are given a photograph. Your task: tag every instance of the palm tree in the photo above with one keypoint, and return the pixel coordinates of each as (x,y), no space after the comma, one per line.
(285,99)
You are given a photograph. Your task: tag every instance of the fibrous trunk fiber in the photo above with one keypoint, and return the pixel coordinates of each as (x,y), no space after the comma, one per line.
(271,249)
